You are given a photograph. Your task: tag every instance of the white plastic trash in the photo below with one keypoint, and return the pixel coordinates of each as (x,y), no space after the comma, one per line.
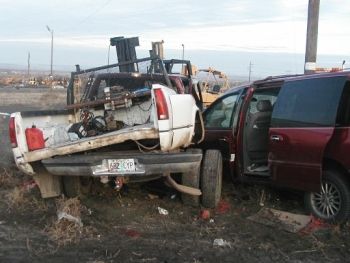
(163,211)
(219,242)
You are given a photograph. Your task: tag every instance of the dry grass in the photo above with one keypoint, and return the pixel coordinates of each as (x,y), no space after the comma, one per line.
(70,206)
(53,97)
(40,97)
(19,193)
(7,179)
(63,231)
(15,198)
(21,198)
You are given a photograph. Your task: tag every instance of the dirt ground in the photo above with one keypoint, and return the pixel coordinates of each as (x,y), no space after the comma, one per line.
(127,226)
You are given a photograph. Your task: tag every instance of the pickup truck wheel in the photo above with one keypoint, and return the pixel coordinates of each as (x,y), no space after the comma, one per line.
(332,203)
(191,179)
(211,180)
(72,186)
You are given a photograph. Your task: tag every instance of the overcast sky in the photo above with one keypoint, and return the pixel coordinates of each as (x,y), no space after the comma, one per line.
(230,26)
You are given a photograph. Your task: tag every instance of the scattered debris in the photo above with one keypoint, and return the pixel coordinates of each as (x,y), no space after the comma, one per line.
(152,196)
(69,228)
(223,207)
(29,185)
(204,214)
(219,242)
(69,217)
(262,198)
(282,220)
(163,211)
(132,233)
(69,209)
(314,225)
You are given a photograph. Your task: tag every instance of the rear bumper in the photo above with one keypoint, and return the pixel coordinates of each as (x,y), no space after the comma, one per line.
(147,163)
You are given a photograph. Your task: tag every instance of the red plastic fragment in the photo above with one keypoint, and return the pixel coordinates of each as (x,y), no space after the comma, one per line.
(314,225)
(132,233)
(29,185)
(204,214)
(223,207)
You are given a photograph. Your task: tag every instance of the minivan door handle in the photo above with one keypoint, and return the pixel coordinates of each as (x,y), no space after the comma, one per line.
(276,138)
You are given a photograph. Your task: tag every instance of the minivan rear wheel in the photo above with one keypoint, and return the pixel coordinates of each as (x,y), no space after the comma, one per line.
(332,203)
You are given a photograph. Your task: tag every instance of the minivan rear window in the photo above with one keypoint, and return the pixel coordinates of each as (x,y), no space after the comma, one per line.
(308,103)
(343,118)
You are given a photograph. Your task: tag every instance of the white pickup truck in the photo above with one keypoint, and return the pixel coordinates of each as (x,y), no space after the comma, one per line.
(120,128)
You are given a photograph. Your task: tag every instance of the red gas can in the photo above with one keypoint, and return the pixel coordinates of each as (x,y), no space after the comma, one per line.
(35,138)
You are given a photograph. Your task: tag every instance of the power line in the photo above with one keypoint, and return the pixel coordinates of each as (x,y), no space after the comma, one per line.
(28,65)
(98,9)
(94,12)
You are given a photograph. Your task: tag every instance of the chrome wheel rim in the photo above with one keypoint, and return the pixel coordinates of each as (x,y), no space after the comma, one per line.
(327,203)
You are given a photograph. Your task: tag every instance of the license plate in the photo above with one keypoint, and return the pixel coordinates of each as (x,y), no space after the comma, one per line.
(121,165)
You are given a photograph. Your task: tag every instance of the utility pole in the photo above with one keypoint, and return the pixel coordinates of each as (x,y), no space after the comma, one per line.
(250,70)
(183,57)
(51,31)
(28,62)
(311,36)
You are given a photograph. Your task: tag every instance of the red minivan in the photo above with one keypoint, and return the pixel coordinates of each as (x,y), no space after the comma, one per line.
(289,131)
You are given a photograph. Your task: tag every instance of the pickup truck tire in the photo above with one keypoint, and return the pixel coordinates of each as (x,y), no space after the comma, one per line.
(211,178)
(71,186)
(332,203)
(191,179)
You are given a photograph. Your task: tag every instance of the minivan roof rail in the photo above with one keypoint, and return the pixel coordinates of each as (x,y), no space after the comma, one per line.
(282,76)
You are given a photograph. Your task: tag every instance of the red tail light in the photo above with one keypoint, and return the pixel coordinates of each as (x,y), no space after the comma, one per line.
(12,132)
(162,107)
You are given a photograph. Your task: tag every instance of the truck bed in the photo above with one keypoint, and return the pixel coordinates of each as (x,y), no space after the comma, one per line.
(146,131)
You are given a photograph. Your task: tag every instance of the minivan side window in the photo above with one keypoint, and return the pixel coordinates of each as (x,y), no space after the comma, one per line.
(220,114)
(308,103)
(262,94)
